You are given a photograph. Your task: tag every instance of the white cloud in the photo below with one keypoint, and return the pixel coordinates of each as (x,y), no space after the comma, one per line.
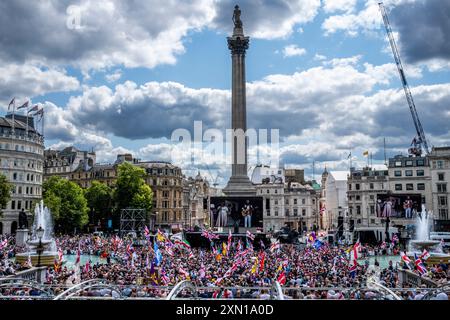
(293,50)
(113,77)
(28,80)
(331,6)
(367,19)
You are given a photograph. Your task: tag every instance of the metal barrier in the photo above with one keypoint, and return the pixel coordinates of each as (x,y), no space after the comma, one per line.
(435,291)
(183,285)
(89,284)
(14,283)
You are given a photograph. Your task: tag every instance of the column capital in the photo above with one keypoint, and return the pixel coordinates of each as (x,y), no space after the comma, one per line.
(238,44)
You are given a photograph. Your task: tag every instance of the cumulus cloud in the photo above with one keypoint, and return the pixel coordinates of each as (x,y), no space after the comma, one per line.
(267,19)
(28,80)
(367,19)
(322,113)
(330,6)
(424,30)
(112,32)
(293,50)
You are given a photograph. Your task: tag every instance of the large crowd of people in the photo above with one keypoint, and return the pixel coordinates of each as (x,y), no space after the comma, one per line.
(227,270)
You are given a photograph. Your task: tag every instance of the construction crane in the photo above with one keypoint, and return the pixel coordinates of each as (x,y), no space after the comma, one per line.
(419,141)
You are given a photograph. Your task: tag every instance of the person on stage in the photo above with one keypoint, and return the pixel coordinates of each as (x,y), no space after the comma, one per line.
(222,216)
(247,212)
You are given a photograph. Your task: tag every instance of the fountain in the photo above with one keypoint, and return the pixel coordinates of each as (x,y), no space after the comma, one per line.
(423,242)
(41,245)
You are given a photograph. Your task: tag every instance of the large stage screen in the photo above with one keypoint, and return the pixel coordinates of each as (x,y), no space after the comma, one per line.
(398,205)
(225,211)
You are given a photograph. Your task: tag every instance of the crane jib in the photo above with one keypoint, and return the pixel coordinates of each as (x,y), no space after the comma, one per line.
(421,140)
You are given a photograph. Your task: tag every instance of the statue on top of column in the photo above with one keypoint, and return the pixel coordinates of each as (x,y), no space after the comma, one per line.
(237,17)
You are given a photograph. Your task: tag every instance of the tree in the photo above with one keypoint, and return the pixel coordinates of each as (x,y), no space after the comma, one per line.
(99,198)
(5,192)
(66,202)
(131,189)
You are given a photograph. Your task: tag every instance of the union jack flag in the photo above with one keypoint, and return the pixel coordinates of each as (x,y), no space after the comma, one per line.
(419,265)
(250,235)
(209,235)
(146,233)
(130,249)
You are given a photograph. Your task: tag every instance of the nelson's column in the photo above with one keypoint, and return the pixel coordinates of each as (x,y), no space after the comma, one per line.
(239,183)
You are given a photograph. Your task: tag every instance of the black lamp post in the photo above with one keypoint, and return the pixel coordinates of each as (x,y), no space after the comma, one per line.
(40,248)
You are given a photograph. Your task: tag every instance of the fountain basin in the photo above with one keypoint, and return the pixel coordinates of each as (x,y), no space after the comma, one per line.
(417,247)
(47,258)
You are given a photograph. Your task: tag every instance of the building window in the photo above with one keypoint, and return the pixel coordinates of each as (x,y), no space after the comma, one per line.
(420,173)
(408,163)
(442,201)
(286,211)
(398,173)
(13,205)
(441,176)
(357,187)
(275,202)
(303,201)
(276,213)
(443,213)
(408,173)
(441,187)
(349,186)
(358,198)
(409,186)
(398,187)
(421,186)
(358,209)
(440,164)
(287,201)
(371,186)
(398,163)
(295,201)
(420,162)
(372,210)
(303,212)
(295,212)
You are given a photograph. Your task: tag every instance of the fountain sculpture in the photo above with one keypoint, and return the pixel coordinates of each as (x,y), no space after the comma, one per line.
(41,245)
(423,242)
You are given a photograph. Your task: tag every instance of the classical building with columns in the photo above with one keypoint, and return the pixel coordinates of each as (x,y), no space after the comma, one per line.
(22,162)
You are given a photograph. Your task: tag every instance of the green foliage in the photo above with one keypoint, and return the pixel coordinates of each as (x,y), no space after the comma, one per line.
(99,198)
(5,191)
(66,201)
(131,190)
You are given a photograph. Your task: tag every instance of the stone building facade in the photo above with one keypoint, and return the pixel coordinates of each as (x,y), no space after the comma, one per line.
(22,162)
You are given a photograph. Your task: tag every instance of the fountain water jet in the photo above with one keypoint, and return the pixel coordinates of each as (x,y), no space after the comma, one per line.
(42,219)
(423,242)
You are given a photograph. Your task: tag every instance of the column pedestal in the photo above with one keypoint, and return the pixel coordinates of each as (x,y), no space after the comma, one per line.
(21,237)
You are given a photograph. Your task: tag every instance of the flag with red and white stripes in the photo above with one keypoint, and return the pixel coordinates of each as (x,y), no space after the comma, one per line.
(282,278)
(250,235)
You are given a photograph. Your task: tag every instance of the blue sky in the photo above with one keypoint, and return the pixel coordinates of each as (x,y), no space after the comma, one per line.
(125,87)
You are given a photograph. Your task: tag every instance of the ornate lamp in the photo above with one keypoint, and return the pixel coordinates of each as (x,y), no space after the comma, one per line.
(40,233)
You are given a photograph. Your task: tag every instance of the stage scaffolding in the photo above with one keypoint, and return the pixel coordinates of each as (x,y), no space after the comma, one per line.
(132,220)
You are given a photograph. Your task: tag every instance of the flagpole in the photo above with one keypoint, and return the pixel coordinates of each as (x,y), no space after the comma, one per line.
(26,120)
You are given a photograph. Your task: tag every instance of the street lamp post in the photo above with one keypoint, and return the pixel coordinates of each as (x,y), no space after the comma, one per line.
(40,248)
